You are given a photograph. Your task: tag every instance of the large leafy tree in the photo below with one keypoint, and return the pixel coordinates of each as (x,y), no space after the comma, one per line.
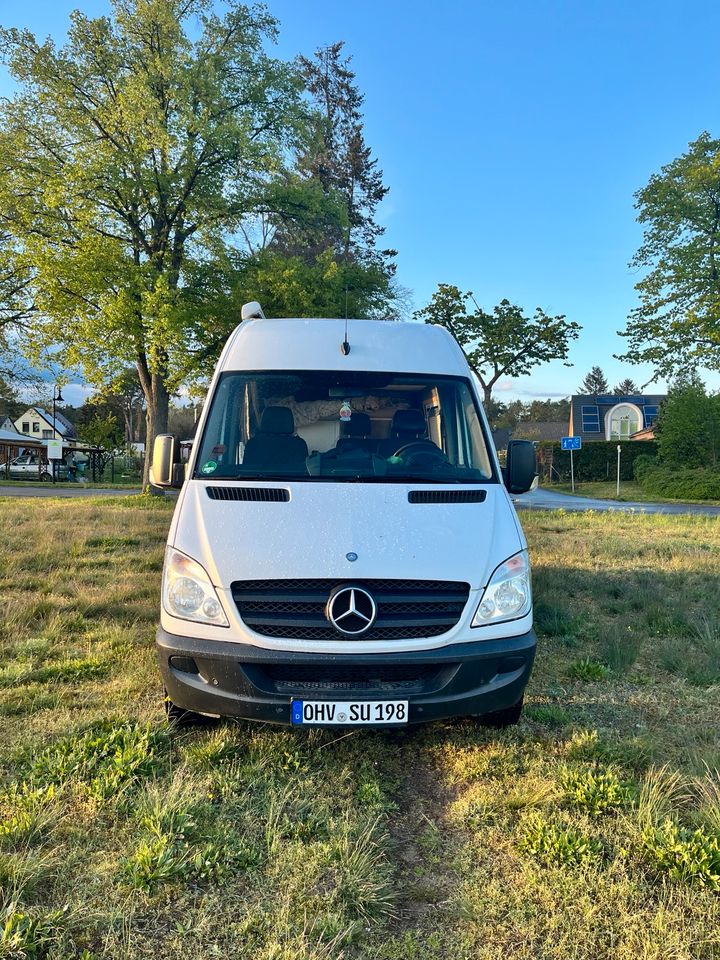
(677,323)
(595,383)
(504,342)
(130,159)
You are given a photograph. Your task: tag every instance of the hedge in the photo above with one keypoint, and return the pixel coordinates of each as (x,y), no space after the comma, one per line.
(687,483)
(597,460)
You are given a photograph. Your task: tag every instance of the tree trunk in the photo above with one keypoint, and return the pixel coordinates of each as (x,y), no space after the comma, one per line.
(157,404)
(487,394)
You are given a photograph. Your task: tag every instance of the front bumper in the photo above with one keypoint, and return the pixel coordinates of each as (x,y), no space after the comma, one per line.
(241,680)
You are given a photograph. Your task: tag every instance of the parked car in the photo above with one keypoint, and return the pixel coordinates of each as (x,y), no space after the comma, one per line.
(344,550)
(30,466)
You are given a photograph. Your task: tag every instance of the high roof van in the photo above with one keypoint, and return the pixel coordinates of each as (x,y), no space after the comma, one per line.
(344,550)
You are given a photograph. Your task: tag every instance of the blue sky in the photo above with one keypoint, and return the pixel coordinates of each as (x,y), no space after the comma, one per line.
(512,136)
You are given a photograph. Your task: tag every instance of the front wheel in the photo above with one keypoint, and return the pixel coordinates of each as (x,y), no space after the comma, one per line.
(503,718)
(179,716)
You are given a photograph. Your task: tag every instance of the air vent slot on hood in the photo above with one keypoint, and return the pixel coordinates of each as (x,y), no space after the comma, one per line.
(258,494)
(446,496)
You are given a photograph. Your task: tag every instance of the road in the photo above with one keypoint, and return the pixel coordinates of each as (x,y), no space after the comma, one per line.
(534,500)
(10,490)
(549,500)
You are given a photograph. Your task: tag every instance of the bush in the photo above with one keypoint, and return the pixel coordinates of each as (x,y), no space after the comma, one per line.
(678,484)
(596,461)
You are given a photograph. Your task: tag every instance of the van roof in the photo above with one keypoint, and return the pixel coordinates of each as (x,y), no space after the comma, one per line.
(316,345)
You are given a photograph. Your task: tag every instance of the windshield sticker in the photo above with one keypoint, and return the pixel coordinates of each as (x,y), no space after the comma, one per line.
(219,450)
(345,411)
(209,467)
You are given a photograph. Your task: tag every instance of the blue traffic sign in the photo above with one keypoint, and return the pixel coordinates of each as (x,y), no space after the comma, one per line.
(571,443)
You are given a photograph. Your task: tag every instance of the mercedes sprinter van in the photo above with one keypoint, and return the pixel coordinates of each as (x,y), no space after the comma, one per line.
(344,550)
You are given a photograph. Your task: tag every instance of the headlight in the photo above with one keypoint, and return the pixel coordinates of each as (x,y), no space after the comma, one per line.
(508,595)
(187,591)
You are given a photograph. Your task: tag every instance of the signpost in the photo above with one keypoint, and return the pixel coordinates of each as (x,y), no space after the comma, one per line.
(617,492)
(54,452)
(571,443)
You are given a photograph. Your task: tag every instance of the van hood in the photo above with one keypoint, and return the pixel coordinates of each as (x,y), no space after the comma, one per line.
(317,532)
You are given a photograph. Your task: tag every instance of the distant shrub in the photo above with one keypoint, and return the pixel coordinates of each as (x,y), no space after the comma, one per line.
(596,460)
(698,483)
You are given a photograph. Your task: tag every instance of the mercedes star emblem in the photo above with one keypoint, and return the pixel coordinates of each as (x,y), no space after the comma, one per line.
(351,610)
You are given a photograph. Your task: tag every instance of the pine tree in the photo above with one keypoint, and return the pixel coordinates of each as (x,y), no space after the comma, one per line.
(594,384)
(337,156)
(626,388)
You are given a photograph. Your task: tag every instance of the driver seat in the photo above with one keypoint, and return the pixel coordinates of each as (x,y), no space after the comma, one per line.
(406,426)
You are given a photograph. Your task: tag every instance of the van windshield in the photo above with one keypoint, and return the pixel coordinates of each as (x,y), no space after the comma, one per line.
(327,425)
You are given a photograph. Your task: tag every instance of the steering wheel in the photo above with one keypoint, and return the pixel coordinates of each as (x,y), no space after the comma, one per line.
(418,450)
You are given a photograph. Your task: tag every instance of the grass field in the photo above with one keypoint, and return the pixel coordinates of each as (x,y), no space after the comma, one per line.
(591,830)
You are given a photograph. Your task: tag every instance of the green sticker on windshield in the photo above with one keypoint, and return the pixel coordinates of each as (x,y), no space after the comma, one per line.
(209,467)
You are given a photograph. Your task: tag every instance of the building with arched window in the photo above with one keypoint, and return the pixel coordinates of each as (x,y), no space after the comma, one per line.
(613,417)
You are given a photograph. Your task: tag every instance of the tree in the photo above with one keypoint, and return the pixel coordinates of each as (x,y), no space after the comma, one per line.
(501,343)
(336,155)
(688,424)
(677,323)
(595,383)
(320,255)
(102,431)
(130,159)
(626,388)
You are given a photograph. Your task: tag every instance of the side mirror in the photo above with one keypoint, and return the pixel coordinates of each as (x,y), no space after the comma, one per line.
(521,466)
(165,471)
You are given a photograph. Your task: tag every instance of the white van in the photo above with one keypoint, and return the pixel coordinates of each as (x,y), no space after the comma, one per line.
(344,550)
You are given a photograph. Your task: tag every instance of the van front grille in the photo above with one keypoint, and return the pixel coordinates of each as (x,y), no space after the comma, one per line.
(295,609)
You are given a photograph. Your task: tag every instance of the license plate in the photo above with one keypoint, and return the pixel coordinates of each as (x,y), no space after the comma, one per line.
(348,713)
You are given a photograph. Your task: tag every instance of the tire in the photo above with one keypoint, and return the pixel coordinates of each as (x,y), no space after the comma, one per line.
(499,719)
(46,478)
(180,717)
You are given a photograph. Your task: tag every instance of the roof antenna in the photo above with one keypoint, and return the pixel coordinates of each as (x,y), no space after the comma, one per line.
(345,347)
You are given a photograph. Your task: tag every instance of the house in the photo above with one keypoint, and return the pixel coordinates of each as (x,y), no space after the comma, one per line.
(6,423)
(38,424)
(540,430)
(613,417)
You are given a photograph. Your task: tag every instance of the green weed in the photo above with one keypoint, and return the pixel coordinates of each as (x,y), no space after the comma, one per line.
(555,844)
(588,669)
(156,861)
(26,813)
(104,759)
(30,934)
(691,856)
(595,791)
